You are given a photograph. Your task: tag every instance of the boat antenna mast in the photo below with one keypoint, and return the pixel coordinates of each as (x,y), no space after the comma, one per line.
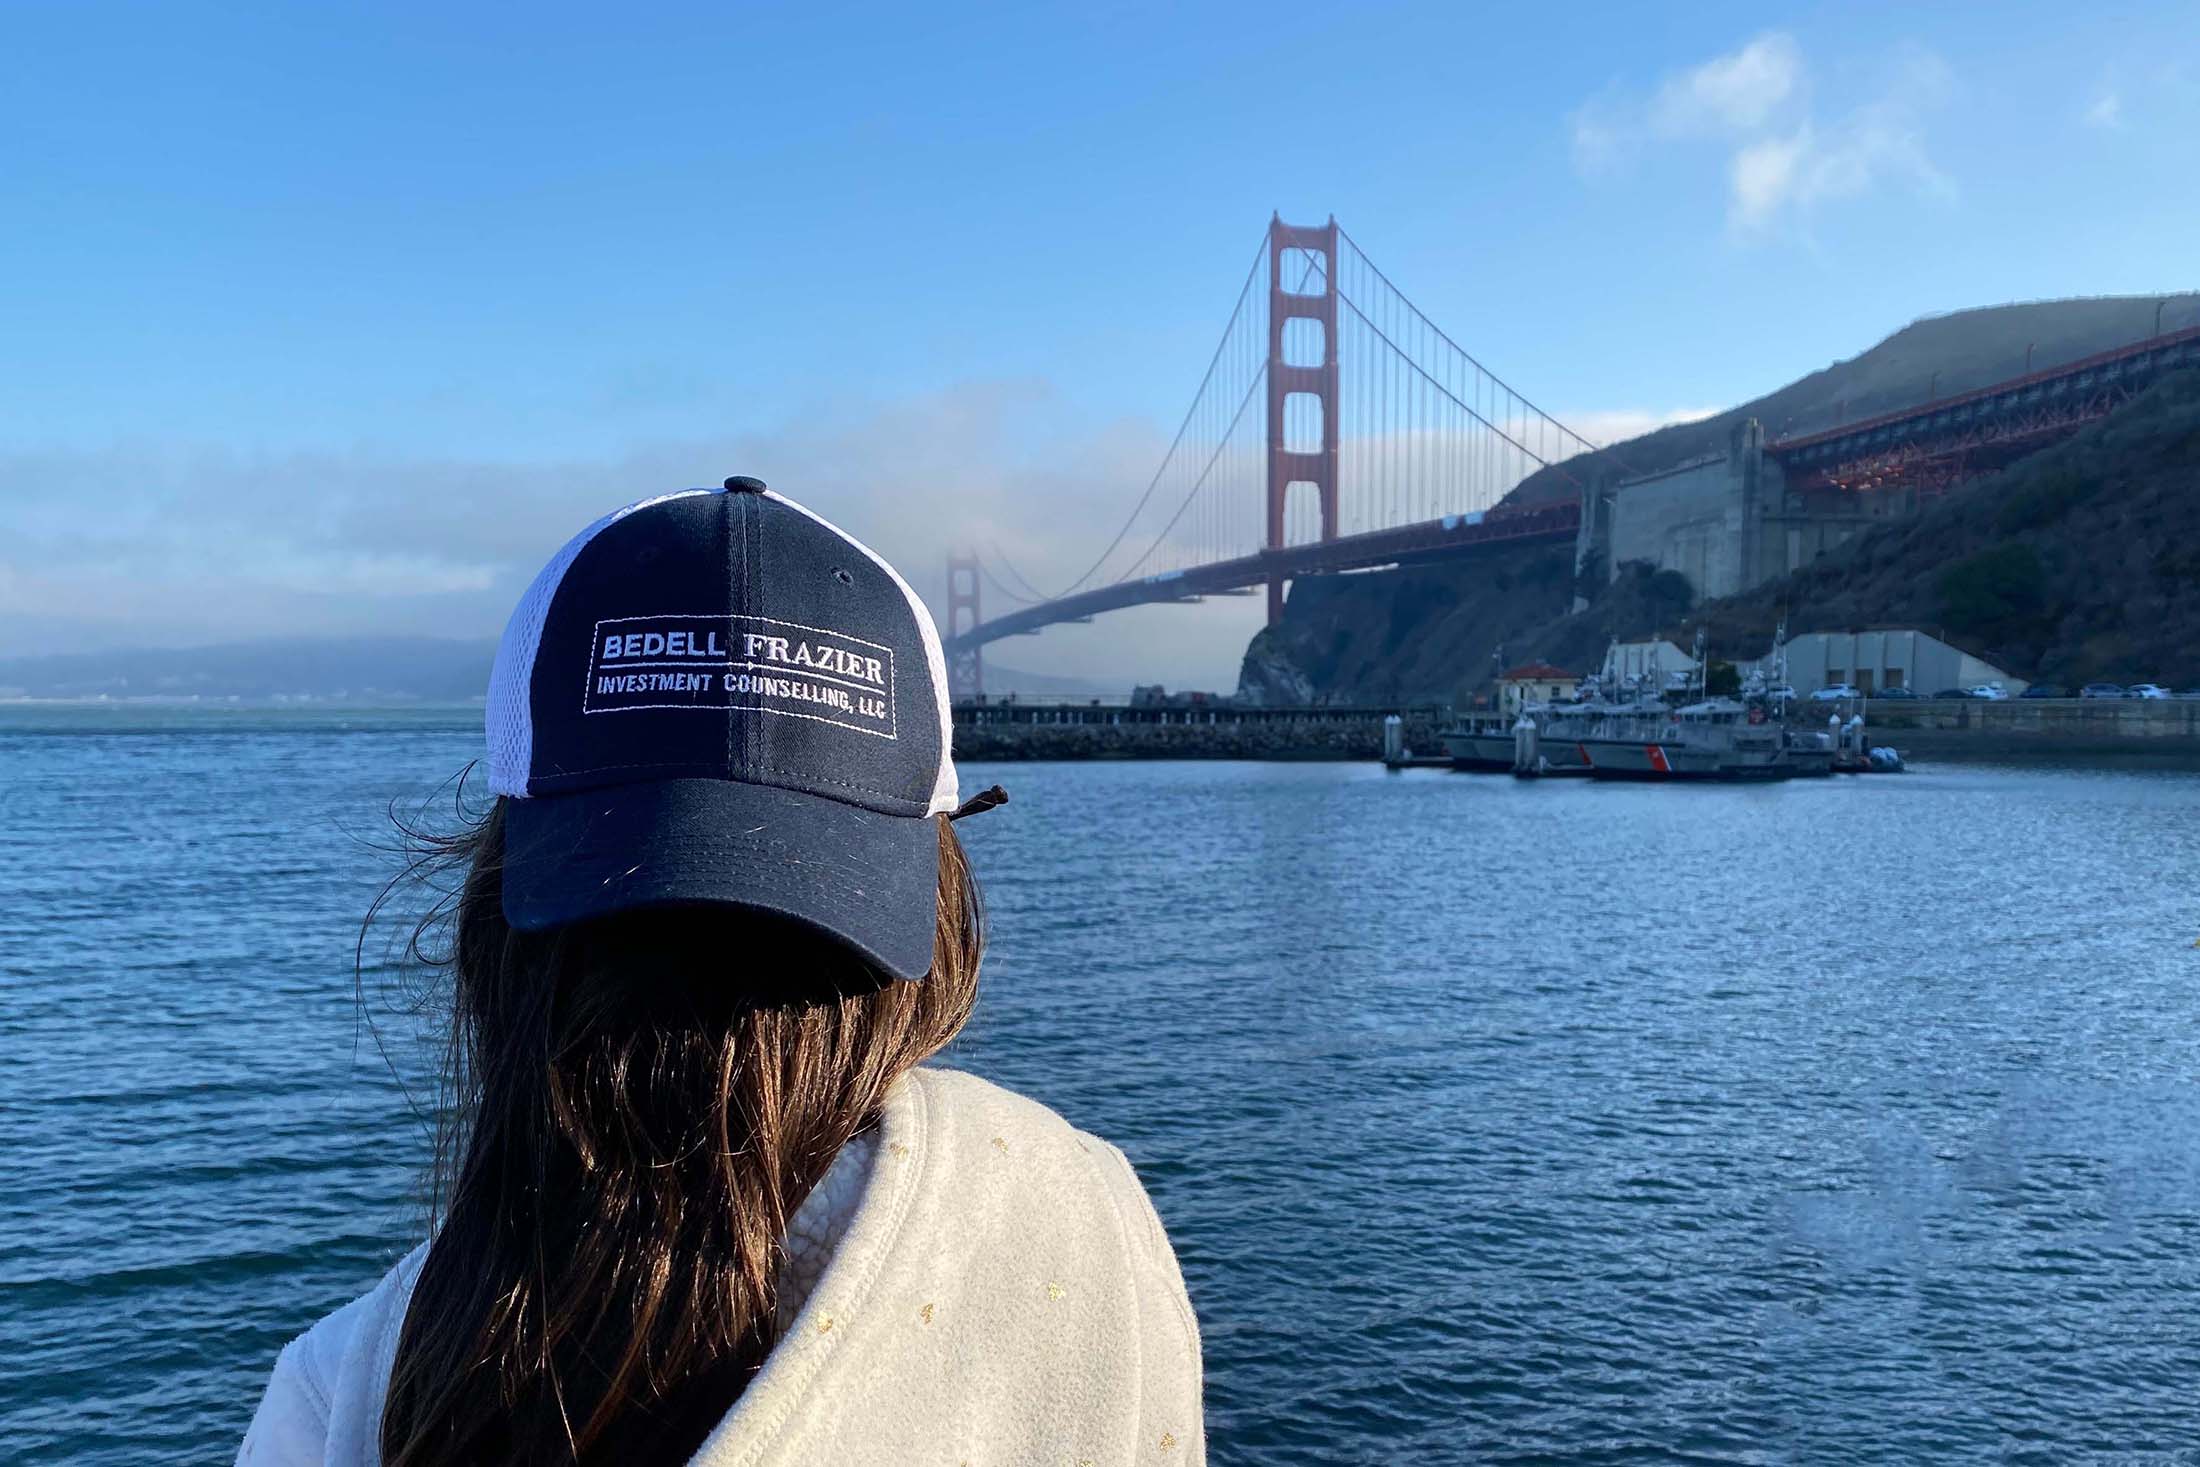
(1780,663)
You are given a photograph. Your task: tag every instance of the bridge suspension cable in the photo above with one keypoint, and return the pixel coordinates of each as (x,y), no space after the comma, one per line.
(1201,482)
(1424,431)
(1503,433)
(1230,335)
(1579,443)
(1035,598)
(1028,594)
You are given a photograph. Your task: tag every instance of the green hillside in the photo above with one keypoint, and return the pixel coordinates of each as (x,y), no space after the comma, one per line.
(1940,356)
(2081,562)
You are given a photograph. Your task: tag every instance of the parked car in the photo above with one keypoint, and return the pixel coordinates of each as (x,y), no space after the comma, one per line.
(1991,692)
(2045,690)
(1911,695)
(2146,690)
(2188,693)
(2101,690)
(1955,693)
(1835,693)
(1781,694)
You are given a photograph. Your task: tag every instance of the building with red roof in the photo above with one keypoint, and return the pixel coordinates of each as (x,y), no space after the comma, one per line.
(1534,682)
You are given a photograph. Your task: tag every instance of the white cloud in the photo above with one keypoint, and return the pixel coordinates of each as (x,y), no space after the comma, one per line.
(1777,177)
(2160,98)
(195,544)
(1607,426)
(1725,96)
(1600,136)
(1733,93)
(1764,176)
(1784,160)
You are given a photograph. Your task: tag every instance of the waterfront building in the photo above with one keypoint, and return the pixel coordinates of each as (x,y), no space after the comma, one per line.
(1652,662)
(1534,682)
(1873,661)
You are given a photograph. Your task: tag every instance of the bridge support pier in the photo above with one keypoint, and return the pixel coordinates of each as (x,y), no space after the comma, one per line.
(965,667)
(1312,251)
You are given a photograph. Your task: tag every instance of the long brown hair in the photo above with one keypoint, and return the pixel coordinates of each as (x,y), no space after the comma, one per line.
(641,1103)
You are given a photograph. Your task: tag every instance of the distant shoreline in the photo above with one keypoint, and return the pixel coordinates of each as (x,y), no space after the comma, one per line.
(244,704)
(182,717)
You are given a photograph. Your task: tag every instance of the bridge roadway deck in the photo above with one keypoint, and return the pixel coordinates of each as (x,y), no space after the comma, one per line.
(1426,540)
(2126,368)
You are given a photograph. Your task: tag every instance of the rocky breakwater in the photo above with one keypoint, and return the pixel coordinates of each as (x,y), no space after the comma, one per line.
(1099,731)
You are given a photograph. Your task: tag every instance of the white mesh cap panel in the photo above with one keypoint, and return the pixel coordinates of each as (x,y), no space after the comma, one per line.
(946,793)
(509,719)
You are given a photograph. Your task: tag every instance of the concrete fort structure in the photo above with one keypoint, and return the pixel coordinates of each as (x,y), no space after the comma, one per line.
(1727,521)
(1757,509)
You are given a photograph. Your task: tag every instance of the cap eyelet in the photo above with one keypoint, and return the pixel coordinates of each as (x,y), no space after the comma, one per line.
(842,576)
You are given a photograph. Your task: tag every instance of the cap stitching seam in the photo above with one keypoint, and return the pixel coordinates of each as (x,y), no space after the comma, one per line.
(752,571)
(944,775)
(692,763)
(738,505)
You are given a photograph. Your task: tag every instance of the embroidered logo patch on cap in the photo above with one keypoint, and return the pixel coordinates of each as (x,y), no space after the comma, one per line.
(716,697)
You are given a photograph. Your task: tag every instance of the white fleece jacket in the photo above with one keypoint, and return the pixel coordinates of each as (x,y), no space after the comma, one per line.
(1000,1292)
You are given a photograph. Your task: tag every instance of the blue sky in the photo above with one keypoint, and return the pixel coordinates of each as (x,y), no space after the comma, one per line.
(322,318)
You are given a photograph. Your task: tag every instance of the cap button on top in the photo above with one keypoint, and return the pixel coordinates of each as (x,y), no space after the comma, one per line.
(743,484)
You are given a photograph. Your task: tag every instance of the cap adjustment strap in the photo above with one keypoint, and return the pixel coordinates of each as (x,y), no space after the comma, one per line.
(980,802)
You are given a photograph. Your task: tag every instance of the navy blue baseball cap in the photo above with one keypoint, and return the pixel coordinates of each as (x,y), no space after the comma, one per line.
(718,698)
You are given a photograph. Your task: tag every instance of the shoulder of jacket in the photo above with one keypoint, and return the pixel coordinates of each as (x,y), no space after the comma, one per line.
(320,1375)
(1171,1405)
(1129,1195)
(966,1114)
(961,1100)
(1084,1192)
(336,1345)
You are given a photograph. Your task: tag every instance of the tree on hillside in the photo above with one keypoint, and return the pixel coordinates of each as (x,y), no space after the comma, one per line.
(1998,595)
(1671,594)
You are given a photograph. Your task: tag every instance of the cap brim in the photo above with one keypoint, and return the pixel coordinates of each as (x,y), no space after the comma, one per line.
(868,880)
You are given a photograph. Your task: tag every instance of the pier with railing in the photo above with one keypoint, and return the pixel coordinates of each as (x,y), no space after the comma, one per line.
(1063,728)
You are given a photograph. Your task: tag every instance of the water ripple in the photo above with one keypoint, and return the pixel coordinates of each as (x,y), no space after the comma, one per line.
(1556,1124)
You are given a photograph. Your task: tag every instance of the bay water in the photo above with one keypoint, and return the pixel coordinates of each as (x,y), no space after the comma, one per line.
(1846,1121)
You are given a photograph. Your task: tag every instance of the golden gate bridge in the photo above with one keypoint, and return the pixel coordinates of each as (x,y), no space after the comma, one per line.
(1338,428)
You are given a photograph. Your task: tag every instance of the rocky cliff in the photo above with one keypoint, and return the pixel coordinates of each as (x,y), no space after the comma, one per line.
(1413,634)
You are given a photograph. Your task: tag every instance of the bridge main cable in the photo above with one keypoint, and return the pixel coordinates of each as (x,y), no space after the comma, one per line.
(1423,373)
(1198,396)
(1222,444)
(1445,337)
